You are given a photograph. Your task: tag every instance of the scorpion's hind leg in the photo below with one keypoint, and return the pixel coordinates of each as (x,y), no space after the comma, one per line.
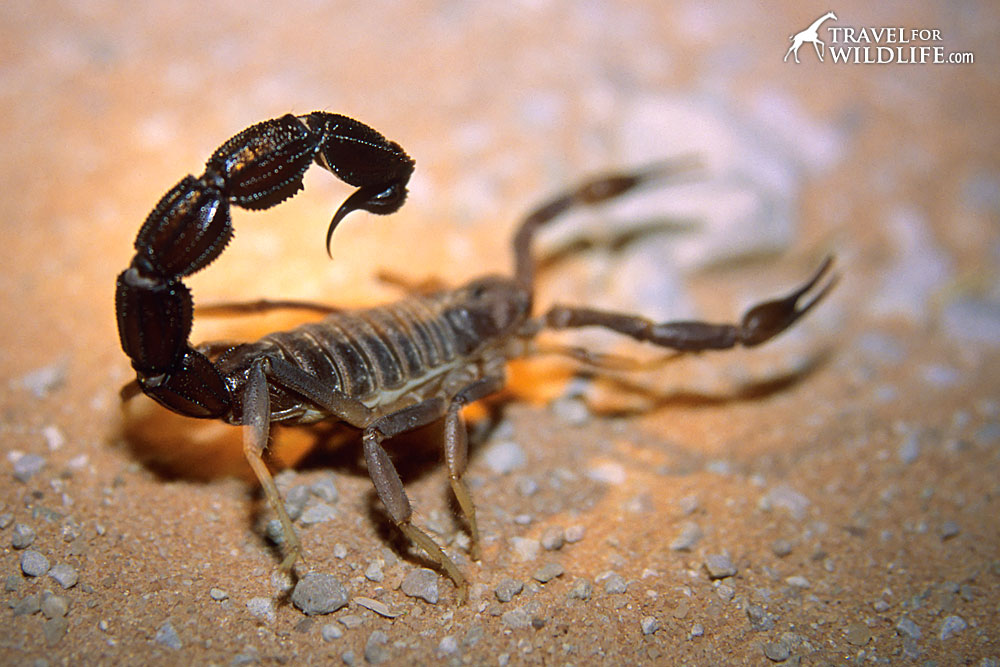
(389,486)
(759,324)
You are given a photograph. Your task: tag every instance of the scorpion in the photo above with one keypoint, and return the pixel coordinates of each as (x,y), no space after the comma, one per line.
(384,370)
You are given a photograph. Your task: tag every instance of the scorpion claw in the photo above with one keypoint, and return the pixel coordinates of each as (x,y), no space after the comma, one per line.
(766,320)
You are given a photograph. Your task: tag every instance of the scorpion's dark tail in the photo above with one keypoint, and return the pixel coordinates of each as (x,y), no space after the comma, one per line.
(593,191)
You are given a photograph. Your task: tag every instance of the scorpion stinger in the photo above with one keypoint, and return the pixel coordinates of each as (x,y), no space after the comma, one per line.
(362,157)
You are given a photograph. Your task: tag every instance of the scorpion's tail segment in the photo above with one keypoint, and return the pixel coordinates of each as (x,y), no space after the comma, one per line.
(588,193)
(193,387)
(154,320)
(187,230)
(360,156)
(263,165)
(768,319)
(760,323)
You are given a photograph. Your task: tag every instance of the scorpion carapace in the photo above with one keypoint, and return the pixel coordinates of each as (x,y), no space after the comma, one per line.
(384,370)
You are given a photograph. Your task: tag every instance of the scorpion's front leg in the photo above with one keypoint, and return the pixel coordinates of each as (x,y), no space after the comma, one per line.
(256,428)
(389,486)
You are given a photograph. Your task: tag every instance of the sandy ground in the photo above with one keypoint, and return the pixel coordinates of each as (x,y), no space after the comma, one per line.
(829,498)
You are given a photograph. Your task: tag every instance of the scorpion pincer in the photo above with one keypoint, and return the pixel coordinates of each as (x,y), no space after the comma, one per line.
(384,370)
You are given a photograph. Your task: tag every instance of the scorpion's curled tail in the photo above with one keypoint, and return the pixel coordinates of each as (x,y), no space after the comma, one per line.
(593,191)
(190,226)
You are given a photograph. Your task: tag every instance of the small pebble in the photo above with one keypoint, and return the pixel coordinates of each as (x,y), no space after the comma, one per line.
(516,619)
(27,606)
(777,651)
(6,519)
(614,584)
(571,411)
(54,606)
(581,590)
(54,437)
(719,566)
(951,626)
(54,629)
(331,631)
(319,593)
(688,536)
(351,621)
(908,628)
(785,497)
(697,630)
(22,537)
(167,636)
(507,589)
(760,620)
(909,449)
(797,581)
(553,538)
(218,594)
(858,634)
(295,501)
(525,548)
(377,606)
(448,645)
(374,571)
(574,534)
(318,513)
(649,625)
(43,380)
(505,457)
(688,504)
(725,592)
(548,572)
(781,548)
(527,486)
(33,563)
(64,574)
(27,466)
(325,490)
(949,529)
(376,648)
(421,583)
(262,608)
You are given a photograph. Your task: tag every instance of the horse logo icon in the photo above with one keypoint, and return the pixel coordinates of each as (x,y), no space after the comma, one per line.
(810,34)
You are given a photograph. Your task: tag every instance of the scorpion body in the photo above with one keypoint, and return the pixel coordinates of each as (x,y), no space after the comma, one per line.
(384,370)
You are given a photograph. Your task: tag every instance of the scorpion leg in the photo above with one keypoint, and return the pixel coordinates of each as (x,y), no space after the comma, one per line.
(759,324)
(262,306)
(456,449)
(256,427)
(588,193)
(389,486)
